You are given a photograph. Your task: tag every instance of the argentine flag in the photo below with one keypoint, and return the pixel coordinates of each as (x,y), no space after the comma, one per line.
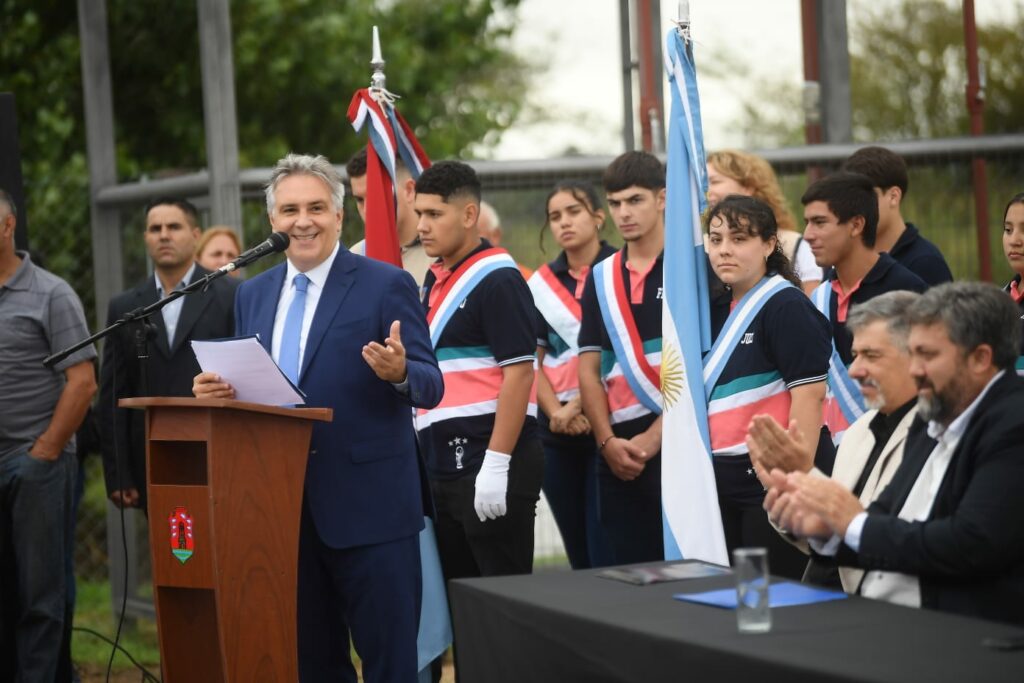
(692,520)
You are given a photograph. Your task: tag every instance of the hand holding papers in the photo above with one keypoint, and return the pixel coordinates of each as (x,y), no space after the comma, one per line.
(247,368)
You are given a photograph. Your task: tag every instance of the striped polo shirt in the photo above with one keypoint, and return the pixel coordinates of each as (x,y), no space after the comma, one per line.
(39,315)
(494,326)
(628,416)
(787,344)
(561,364)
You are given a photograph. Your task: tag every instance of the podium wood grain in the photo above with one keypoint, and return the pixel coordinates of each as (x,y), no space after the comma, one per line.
(227,613)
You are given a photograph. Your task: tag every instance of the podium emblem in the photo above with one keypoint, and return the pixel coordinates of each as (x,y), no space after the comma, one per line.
(182,542)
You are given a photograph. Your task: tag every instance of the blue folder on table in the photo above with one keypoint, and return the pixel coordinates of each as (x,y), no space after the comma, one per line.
(784,594)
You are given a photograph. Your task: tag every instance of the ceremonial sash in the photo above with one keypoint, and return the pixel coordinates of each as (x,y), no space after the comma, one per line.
(731,406)
(562,312)
(643,379)
(472,376)
(736,324)
(457,287)
(844,402)
(559,307)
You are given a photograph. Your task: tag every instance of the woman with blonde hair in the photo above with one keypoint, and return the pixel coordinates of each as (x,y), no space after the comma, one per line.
(734,172)
(218,246)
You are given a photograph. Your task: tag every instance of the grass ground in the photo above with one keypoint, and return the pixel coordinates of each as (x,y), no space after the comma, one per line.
(91,653)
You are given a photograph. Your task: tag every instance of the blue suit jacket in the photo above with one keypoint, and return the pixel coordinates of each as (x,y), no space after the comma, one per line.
(363,478)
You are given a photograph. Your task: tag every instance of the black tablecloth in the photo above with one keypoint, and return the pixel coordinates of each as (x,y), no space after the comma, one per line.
(575,626)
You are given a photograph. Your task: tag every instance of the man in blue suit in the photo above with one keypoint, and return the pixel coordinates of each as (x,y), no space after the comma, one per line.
(321,316)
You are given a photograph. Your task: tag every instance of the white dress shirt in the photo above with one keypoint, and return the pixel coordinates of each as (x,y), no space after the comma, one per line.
(317,279)
(172,311)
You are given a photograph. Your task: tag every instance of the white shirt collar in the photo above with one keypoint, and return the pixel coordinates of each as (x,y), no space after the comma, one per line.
(956,428)
(318,274)
(184,281)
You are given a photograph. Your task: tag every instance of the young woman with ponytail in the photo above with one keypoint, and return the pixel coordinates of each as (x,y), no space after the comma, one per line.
(574,218)
(770,357)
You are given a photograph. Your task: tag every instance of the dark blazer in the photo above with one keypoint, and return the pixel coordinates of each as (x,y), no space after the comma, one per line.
(969,553)
(169,370)
(363,482)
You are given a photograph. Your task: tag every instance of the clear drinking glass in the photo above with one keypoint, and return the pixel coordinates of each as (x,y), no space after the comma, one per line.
(753,614)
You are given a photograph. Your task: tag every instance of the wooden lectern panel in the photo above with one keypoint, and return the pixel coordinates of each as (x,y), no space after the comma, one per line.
(225,496)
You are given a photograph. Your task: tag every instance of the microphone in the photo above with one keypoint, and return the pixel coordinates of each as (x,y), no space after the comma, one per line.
(278,241)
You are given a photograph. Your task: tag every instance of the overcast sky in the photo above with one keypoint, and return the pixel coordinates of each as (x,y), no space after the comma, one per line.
(581,87)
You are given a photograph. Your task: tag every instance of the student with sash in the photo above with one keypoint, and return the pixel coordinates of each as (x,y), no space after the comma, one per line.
(620,360)
(841,213)
(480,442)
(770,357)
(575,219)
(1013,247)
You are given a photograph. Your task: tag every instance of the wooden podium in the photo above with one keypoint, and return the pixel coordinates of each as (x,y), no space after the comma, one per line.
(225,485)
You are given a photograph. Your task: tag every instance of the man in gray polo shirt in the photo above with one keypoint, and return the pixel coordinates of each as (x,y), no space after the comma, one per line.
(40,409)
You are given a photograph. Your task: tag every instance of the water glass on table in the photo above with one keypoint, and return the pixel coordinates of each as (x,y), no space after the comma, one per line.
(753,614)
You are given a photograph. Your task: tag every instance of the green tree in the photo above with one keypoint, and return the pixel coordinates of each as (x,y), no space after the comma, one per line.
(297,63)
(908,76)
(908,71)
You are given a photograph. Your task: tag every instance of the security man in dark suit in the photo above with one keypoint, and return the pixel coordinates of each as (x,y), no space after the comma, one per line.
(171,235)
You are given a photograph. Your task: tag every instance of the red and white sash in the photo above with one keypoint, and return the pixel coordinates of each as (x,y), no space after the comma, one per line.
(643,378)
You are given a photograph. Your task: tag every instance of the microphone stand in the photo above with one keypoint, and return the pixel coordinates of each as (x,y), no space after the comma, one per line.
(138,317)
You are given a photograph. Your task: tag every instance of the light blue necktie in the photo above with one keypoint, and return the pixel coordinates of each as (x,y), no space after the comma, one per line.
(288,359)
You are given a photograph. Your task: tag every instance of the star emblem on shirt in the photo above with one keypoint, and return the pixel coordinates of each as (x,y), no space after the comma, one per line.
(458,441)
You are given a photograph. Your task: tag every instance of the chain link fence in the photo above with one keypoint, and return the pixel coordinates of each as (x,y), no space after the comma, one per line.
(940,202)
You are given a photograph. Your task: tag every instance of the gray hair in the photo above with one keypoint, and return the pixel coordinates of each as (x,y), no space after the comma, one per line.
(306,164)
(488,212)
(891,308)
(5,200)
(973,313)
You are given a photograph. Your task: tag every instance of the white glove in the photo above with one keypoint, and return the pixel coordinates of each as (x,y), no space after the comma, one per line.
(491,486)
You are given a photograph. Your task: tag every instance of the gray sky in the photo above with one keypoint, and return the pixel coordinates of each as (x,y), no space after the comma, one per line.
(580,91)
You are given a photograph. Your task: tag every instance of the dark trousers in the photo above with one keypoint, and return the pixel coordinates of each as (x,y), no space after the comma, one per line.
(372,592)
(744,521)
(630,513)
(570,486)
(35,528)
(494,547)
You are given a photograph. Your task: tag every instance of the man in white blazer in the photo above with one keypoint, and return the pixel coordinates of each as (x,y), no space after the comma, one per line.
(872,449)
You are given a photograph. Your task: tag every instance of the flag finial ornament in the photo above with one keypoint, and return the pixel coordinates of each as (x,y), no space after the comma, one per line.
(378,81)
(683,22)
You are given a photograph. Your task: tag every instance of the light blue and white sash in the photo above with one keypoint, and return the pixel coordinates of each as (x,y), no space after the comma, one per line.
(737,323)
(471,273)
(842,392)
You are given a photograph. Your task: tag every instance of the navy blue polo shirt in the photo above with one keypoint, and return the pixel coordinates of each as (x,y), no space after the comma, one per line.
(921,257)
(548,339)
(646,314)
(495,325)
(885,276)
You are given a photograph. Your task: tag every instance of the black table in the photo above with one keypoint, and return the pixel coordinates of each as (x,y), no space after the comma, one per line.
(574,626)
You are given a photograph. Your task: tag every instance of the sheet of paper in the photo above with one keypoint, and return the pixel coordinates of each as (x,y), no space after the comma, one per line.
(246,365)
(785,594)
